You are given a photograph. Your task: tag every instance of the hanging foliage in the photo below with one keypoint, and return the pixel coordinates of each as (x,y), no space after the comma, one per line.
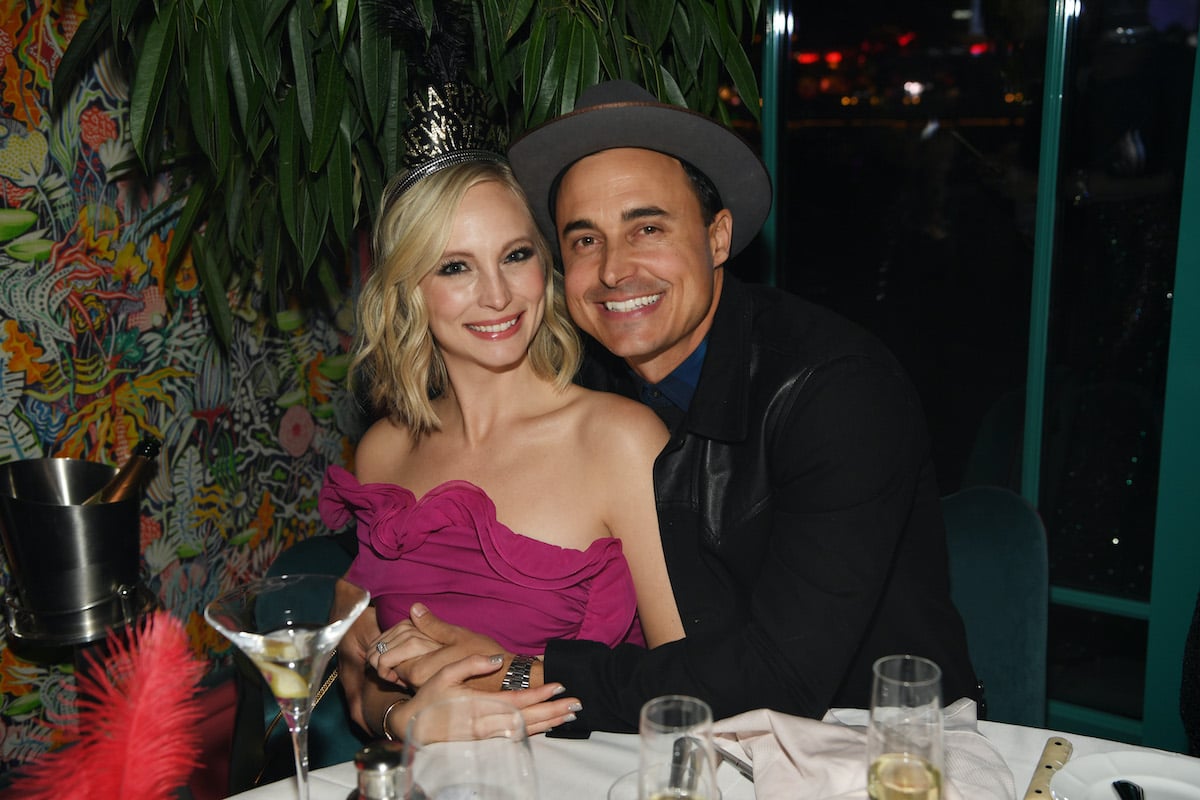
(277,121)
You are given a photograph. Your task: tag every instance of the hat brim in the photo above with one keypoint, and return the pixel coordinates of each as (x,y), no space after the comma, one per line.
(542,154)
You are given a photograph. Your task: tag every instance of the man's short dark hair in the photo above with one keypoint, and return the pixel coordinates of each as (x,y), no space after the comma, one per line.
(706,192)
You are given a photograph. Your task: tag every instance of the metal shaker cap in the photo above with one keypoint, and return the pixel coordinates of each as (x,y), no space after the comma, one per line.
(380,774)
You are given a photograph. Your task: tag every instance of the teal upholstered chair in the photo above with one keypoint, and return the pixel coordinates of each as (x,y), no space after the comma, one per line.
(1000,584)
(332,738)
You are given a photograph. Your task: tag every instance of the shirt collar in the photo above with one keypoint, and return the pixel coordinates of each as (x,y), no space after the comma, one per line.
(679,386)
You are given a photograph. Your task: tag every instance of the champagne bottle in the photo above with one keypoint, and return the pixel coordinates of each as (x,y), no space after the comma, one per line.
(130,478)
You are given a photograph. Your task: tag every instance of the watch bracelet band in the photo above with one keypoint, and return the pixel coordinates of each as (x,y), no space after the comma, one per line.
(517,676)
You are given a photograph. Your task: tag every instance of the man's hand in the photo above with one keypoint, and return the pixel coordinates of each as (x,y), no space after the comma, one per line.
(416,652)
(538,705)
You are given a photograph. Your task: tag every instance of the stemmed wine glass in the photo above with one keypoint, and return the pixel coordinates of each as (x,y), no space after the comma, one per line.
(904,734)
(468,748)
(288,627)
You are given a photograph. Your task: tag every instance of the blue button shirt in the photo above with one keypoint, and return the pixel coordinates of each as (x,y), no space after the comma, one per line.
(677,388)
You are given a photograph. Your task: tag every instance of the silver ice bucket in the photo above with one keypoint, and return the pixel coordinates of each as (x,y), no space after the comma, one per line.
(74,569)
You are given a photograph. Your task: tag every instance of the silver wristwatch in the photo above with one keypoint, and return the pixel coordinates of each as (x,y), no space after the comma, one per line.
(517,676)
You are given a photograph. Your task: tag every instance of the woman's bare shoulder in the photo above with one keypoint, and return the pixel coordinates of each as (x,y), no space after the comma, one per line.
(382,449)
(621,421)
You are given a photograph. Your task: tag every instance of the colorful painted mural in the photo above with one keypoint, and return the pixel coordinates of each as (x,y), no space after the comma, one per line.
(93,356)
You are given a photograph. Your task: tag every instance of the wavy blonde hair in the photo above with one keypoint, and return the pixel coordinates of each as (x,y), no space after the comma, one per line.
(396,360)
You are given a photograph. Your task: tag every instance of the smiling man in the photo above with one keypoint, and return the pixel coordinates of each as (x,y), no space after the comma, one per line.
(796,498)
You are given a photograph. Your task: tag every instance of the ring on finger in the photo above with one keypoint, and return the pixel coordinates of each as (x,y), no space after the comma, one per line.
(381,647)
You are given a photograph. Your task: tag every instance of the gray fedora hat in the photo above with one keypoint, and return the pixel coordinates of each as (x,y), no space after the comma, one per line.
(622,114)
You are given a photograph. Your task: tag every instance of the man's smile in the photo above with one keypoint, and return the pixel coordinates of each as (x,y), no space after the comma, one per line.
(632,304)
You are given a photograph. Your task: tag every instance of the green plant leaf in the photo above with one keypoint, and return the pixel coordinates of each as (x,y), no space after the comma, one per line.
(552,76)
(81,52)
(341,188)
(153,65)
(344,11)
(212,285)
(369,170)
(672,94)
(652,20)
(493,22)
(589,65)
(532,69)
(123,12)
(236,193)
(239,83)
(391,143)
(426,14)
(572,67)
(375,57)
(271,13)
(217,91)
(301,50)
(314,207)
(289,165)
(515,15)
(249,41)
(689,42)
(330,99)
(272,259)
(742,73)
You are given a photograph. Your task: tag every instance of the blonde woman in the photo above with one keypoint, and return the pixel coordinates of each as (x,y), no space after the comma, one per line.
(494,491)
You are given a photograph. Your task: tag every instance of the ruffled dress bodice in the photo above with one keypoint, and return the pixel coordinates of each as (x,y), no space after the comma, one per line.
(447,550)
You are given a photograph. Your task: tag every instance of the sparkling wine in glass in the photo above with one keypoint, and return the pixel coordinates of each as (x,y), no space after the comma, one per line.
(904,735)
(288,627)
(677,760)
(468,748)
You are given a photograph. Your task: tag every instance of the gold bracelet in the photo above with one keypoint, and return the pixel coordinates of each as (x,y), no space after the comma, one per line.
(384,722)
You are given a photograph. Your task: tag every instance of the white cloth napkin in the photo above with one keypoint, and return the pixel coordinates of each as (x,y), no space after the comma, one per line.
(798,757)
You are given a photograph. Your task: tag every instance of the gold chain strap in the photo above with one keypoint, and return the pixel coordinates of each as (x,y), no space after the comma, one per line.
(325,687)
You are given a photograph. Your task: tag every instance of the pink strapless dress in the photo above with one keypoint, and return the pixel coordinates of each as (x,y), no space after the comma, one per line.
(448,551)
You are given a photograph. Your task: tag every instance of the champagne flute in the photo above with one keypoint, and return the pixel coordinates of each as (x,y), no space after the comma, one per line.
(468,748)
(904,735)
(677,759)
(287,626)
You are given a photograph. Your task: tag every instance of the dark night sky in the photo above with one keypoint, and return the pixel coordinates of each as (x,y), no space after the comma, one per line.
(848,21)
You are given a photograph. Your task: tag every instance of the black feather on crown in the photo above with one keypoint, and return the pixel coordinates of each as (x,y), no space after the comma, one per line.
(448,119)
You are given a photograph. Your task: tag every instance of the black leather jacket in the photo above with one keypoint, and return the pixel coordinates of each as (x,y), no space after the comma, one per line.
(800,521)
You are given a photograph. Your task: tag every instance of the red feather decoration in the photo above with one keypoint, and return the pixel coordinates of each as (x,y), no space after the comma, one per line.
(136,716)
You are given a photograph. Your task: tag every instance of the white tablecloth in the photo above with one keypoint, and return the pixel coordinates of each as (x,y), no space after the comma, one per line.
(583,769)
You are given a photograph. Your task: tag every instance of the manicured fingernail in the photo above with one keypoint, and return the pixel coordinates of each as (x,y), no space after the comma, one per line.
(569,718)
(575,707)
(559,689)
(419,610)
(496,659)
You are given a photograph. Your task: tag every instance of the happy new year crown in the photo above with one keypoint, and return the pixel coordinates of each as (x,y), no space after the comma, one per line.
(449,124)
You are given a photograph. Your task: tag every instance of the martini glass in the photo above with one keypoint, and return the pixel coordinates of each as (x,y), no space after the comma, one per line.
(287,625)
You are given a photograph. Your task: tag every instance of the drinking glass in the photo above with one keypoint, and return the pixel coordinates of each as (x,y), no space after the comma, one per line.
(286,626)
(677,759)
(468,748)
(904,735)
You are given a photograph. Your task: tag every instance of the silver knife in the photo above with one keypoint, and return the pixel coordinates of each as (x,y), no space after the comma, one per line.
(735,762)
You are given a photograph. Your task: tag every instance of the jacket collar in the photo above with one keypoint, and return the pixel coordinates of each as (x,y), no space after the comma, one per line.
(722,398)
